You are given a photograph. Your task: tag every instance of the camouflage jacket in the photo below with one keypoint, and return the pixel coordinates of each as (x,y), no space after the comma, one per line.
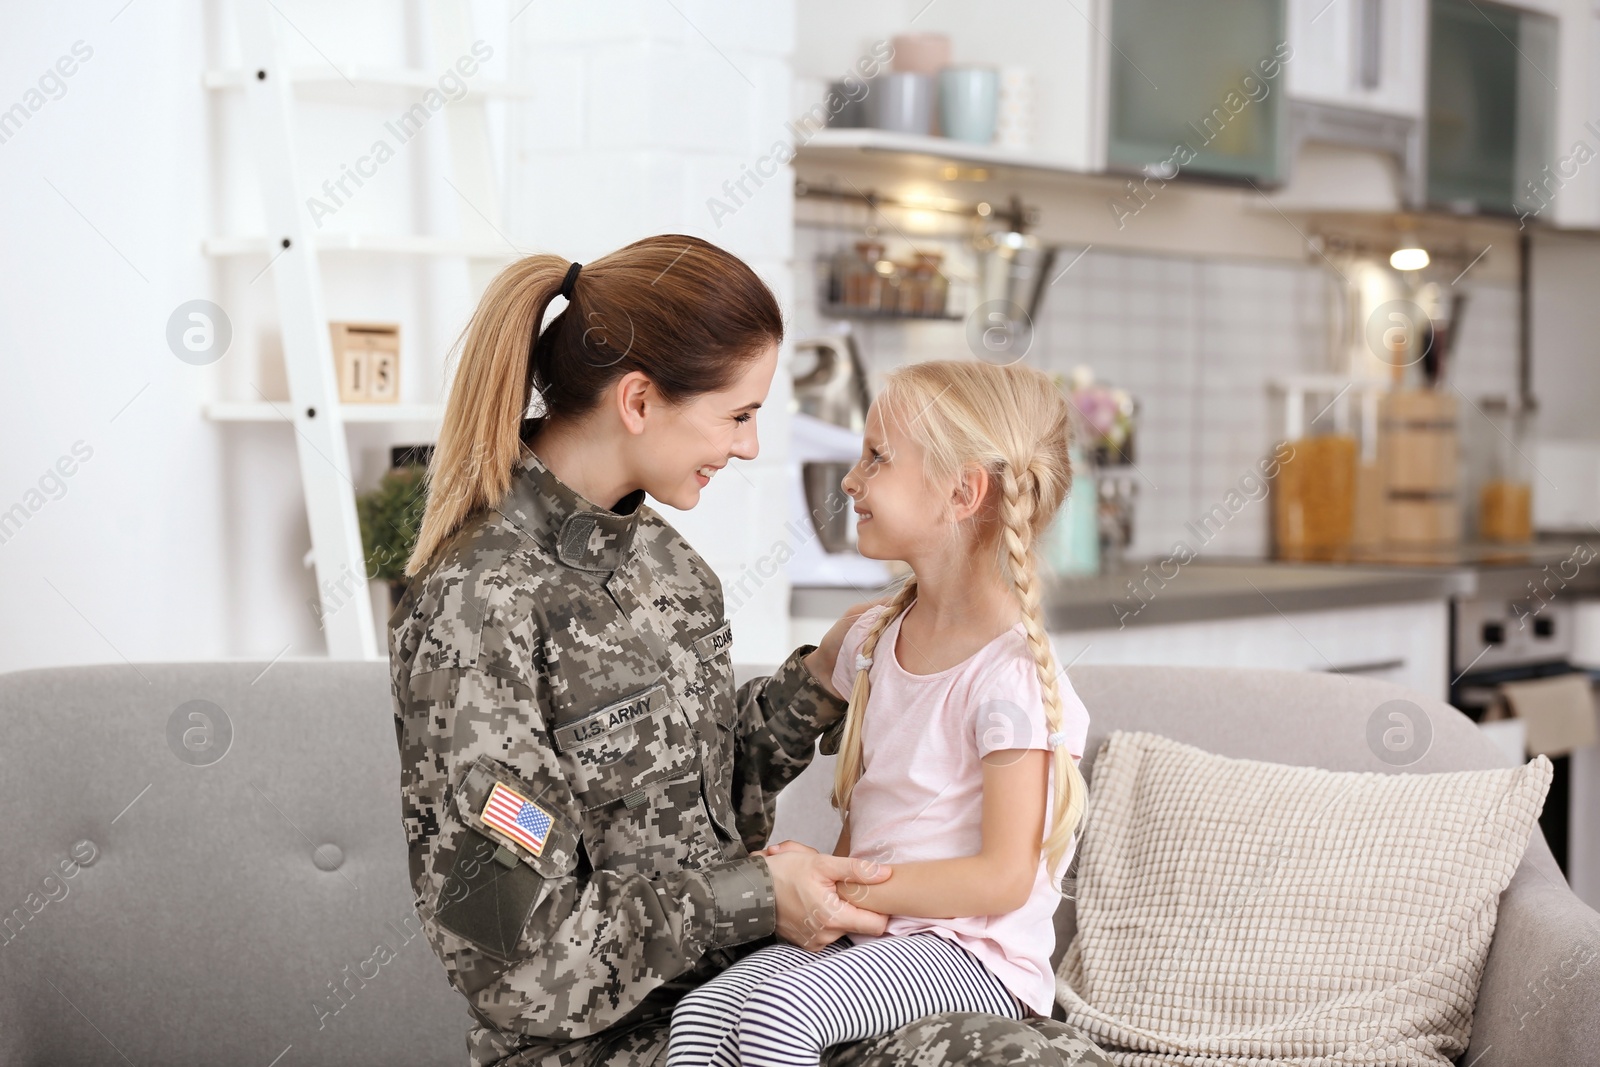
(580,783)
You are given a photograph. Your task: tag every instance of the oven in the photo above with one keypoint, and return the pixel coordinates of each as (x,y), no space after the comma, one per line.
(1494,640)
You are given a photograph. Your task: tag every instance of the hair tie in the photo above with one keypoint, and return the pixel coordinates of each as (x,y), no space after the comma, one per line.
(1058,739)
(571,279)
(863,662)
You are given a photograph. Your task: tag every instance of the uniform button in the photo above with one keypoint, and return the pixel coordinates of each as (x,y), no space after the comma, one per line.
(327,857)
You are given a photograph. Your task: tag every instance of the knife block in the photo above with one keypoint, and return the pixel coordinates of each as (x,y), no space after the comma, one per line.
(1419,454)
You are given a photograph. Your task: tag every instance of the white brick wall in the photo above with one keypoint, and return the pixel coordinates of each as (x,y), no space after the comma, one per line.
(644,111)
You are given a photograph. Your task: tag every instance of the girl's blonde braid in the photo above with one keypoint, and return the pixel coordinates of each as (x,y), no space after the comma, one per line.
(1018,498)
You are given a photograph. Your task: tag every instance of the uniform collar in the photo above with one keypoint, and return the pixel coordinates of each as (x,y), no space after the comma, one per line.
(579,533)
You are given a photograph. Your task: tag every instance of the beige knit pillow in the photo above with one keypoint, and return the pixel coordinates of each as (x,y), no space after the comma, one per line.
(1231,910)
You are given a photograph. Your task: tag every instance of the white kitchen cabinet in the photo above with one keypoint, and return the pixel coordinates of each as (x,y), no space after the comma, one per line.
(1367,54)
(1407,643)
(1491,105)
(1193,88)
(1569,184)
(1357,126)
(1556,178)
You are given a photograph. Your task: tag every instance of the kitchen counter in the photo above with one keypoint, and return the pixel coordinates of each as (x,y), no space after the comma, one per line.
(1553,565)
(1144,593)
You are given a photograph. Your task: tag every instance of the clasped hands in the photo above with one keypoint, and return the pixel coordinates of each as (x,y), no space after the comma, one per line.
(813,893)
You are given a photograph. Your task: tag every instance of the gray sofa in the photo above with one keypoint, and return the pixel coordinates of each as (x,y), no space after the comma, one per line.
(204,862)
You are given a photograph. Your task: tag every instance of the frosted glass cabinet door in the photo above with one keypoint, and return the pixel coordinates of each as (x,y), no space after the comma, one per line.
(1491,106)
(1196,88)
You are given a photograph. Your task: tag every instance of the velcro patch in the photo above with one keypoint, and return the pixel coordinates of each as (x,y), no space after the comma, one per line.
(714,643)
(612,717)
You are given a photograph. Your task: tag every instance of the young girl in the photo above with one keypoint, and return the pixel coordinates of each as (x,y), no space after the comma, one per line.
(957,765)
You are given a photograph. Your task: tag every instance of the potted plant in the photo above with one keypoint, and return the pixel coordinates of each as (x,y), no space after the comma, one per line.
(391,516)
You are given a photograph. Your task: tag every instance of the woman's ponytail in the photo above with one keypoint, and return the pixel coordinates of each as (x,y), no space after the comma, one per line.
(480,437)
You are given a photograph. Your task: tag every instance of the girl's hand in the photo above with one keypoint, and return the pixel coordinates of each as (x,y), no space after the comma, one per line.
(811,914)
(823,659)
(783,846)
(851,892)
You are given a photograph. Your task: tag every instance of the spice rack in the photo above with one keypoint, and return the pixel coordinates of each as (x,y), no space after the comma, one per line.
(885,258)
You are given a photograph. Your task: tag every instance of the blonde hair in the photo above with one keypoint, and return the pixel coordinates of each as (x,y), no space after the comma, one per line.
(687,314)
(1015,423)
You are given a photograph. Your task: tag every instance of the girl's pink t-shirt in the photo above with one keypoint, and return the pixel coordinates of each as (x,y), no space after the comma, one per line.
(920,796)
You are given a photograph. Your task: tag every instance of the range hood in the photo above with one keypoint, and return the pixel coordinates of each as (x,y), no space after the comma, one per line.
(1350,159)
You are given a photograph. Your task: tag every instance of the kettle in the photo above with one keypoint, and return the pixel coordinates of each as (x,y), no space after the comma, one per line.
(1013,267)
(833,391)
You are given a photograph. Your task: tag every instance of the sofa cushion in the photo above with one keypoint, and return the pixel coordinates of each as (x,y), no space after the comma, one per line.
(240,889)
(1234,908)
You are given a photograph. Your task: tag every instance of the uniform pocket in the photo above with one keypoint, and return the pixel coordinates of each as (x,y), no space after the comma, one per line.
(720,805)
(708,675)
(485,901)
(664,826)
(614,750)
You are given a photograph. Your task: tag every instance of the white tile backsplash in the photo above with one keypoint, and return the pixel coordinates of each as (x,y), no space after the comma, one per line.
(1483,361)
(656,107)
(1197,341)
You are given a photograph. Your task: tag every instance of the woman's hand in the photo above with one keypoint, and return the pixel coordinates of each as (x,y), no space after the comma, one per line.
(811,913)
(823,659)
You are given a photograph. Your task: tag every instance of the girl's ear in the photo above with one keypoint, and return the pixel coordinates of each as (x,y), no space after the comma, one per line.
(970,490)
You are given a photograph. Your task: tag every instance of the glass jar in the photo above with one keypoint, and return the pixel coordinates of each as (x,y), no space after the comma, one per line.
(1318,462)
(863,285)
(891,279)
(935,286)
(1315,500)
(1505,499)
(839,266)
(913,285)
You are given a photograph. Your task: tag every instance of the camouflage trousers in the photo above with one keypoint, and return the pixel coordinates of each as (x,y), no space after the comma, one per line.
(945,1040)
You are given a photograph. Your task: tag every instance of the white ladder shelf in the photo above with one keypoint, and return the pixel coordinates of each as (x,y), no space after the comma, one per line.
(268,82)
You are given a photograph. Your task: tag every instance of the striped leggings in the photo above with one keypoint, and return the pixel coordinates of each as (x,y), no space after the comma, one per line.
(782,1005)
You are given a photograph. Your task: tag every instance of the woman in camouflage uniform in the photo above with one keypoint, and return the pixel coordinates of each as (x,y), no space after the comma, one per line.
(582,787)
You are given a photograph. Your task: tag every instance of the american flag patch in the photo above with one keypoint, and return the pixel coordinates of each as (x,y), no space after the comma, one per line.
(517,817)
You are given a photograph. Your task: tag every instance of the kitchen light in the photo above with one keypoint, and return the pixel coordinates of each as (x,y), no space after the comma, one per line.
(1409,258)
